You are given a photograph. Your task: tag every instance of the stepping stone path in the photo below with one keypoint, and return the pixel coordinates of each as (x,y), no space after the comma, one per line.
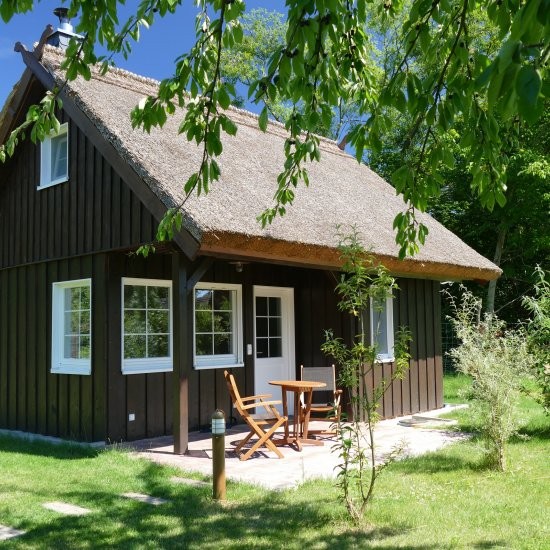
(155,501)
(66,509)
(188,481)
(9,532)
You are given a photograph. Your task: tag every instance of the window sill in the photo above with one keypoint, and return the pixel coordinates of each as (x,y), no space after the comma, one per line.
(146,366)
(219,366)
(73,369)
(383,360)
(52,183)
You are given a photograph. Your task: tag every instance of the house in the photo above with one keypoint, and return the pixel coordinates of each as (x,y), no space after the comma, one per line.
(97,343)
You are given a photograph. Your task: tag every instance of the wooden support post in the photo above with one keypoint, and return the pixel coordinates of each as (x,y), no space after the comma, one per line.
(181,342)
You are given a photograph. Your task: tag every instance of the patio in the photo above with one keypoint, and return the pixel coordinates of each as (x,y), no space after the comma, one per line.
(416,435)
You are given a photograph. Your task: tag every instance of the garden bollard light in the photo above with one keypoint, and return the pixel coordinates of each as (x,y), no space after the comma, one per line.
(218,455)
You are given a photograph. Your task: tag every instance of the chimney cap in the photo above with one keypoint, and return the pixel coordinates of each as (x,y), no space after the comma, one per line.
(61,13)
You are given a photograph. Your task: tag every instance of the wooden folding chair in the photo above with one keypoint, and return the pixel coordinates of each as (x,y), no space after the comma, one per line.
(256,422)
(331,408)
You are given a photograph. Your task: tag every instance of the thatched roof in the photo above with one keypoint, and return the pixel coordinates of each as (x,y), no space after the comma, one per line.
(341,191)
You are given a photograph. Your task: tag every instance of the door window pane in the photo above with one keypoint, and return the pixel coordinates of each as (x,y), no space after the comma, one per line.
(268,327)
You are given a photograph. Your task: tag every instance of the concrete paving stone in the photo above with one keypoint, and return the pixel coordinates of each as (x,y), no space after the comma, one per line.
(148,499)
(66,509)
(9,532)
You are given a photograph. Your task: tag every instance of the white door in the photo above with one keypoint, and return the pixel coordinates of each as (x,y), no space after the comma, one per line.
(273,339)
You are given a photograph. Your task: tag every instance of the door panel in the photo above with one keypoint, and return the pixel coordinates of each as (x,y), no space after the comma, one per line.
(273,338)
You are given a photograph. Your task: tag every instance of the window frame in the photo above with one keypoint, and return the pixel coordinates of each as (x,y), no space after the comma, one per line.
(46,159)
(232,360)
(147,365)
(59,364)
(390,332)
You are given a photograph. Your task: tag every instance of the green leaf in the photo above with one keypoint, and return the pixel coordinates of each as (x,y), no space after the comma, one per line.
(528,86)
(262,120)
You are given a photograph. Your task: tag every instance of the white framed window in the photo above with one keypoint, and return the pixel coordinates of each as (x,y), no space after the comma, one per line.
(72,327)
(218,326)
(381,328)
(54,158)
(146,326)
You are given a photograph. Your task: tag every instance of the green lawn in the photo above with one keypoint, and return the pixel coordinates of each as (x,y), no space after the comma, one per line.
(442,500)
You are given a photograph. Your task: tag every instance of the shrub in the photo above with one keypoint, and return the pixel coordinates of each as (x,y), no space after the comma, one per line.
(498,360)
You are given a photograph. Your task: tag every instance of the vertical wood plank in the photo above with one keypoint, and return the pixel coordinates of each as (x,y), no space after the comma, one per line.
(5,290)
(12,349)
(430,345)
(411,298)
(42,357)
(421,331)
(100,357)
(30,338)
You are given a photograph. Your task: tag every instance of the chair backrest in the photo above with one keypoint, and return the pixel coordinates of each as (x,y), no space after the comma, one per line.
(234,393)
(320,374)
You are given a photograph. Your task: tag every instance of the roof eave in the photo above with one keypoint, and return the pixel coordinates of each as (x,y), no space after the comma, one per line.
(245,247)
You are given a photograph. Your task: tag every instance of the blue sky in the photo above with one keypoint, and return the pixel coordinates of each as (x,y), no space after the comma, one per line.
(153,56)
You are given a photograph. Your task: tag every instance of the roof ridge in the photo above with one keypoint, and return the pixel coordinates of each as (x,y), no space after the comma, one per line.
(115,71)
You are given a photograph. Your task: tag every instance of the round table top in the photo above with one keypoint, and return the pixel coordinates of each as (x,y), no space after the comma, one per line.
(297,385)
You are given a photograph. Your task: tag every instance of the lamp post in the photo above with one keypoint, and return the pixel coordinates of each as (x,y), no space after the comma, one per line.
(218,455)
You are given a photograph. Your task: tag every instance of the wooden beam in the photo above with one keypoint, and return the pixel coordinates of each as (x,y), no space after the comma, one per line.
(188,244)
(182,354)
(202,268)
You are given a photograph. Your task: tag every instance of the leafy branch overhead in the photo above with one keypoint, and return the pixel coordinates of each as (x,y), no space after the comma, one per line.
(330,54)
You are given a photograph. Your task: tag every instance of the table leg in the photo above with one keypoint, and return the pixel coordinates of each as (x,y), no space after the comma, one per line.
(297,419)
(308,397)
(285,413)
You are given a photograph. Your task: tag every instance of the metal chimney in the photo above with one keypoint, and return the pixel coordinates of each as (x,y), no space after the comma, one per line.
(65,22)
(61,37)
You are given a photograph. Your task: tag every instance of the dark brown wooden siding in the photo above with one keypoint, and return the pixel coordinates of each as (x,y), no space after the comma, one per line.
(93,211)
(418,308)
(147,396)
(33,399)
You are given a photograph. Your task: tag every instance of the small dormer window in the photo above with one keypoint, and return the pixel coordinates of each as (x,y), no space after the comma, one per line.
(54,158)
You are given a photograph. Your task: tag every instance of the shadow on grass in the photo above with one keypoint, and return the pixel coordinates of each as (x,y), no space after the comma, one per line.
(539,430)
(63,450)
(191,519)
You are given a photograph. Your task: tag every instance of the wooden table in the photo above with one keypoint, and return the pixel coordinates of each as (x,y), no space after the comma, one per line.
(298,437)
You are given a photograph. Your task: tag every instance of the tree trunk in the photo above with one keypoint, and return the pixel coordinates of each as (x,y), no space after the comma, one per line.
(490,307)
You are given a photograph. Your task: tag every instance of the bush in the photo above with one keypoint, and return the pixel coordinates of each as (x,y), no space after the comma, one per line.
(498,360)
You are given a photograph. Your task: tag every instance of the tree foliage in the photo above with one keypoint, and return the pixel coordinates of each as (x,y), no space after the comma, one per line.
(325,58)
(538,335)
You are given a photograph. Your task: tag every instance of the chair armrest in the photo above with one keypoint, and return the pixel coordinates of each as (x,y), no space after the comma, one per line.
(261,404)
(262,396)
(338,392)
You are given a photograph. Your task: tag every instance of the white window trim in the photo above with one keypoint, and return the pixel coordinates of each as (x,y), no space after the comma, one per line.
(60,365)
(390,356)
(147,365)
(46,159)
(222,361)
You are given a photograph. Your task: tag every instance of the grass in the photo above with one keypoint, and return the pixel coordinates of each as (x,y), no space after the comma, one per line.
(437,501)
